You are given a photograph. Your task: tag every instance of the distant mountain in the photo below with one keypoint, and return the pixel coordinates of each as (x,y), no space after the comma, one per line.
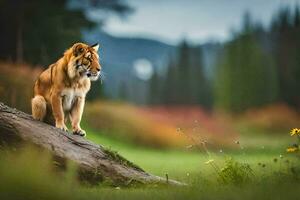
(118,55)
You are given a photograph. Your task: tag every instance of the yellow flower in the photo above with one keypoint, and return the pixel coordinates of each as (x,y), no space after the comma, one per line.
(295,131)
(292,149)
(209,161)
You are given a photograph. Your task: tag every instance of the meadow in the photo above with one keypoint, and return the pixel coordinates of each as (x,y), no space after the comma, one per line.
(213,108)
(217,155)
(246,172)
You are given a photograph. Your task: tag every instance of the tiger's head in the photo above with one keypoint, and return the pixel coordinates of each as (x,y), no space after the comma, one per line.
(85,61)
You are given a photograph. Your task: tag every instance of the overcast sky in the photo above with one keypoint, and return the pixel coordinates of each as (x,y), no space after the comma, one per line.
(197,20)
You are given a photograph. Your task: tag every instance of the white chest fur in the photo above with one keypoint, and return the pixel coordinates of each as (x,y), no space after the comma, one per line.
(69,96)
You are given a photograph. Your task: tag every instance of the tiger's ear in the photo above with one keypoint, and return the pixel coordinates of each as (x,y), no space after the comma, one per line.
(78,49)
(95,46)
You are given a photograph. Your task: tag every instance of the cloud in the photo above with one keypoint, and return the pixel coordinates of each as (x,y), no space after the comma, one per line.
(198,20)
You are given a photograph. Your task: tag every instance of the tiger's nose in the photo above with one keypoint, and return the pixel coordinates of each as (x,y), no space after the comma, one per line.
(89,74)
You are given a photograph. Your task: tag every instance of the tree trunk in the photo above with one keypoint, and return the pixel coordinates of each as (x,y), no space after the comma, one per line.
(95,163)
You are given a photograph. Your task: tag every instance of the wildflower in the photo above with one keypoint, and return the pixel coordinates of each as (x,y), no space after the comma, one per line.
(295,131)
(209,161)
(292,149)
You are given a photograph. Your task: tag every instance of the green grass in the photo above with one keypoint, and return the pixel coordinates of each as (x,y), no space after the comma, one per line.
(27,175)
(258,139)
(183,164)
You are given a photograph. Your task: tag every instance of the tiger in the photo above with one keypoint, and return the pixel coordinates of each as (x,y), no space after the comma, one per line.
(60,90)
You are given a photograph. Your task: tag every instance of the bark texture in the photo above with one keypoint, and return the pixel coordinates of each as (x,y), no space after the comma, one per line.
(95,163)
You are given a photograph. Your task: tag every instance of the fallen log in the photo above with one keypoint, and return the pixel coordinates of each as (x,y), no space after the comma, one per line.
(95,163)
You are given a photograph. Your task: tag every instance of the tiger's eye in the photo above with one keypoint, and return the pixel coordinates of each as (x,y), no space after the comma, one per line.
(85,61)
(81,50)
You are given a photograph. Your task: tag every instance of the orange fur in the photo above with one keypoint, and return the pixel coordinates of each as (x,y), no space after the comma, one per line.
(60,90)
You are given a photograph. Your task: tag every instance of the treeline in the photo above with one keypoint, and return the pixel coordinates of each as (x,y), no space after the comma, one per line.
(285,38)
(247,75)
(185,81)
(37,32)
(261,66)
(257,66)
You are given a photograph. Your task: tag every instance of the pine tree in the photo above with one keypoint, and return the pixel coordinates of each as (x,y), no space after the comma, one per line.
(182,73)
(185,82)
(38,32)
(169,84)
(297,17)
(200,90)
(286,37)
(246,76)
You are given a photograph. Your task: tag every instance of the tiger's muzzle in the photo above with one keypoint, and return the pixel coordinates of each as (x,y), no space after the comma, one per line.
(93,76)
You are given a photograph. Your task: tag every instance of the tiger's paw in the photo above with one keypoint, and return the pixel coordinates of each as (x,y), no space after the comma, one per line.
(80,132)
(62,127)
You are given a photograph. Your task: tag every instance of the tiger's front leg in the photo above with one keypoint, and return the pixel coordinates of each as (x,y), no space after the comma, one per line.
(75,116)
(58,113)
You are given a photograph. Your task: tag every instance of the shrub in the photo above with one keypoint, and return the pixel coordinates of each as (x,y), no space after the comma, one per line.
(16,85)
(235,172)
(272,118)
(128,123)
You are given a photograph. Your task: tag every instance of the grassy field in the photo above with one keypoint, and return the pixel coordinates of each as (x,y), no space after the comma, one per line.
(254,172)
(179,163)
(264,153)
